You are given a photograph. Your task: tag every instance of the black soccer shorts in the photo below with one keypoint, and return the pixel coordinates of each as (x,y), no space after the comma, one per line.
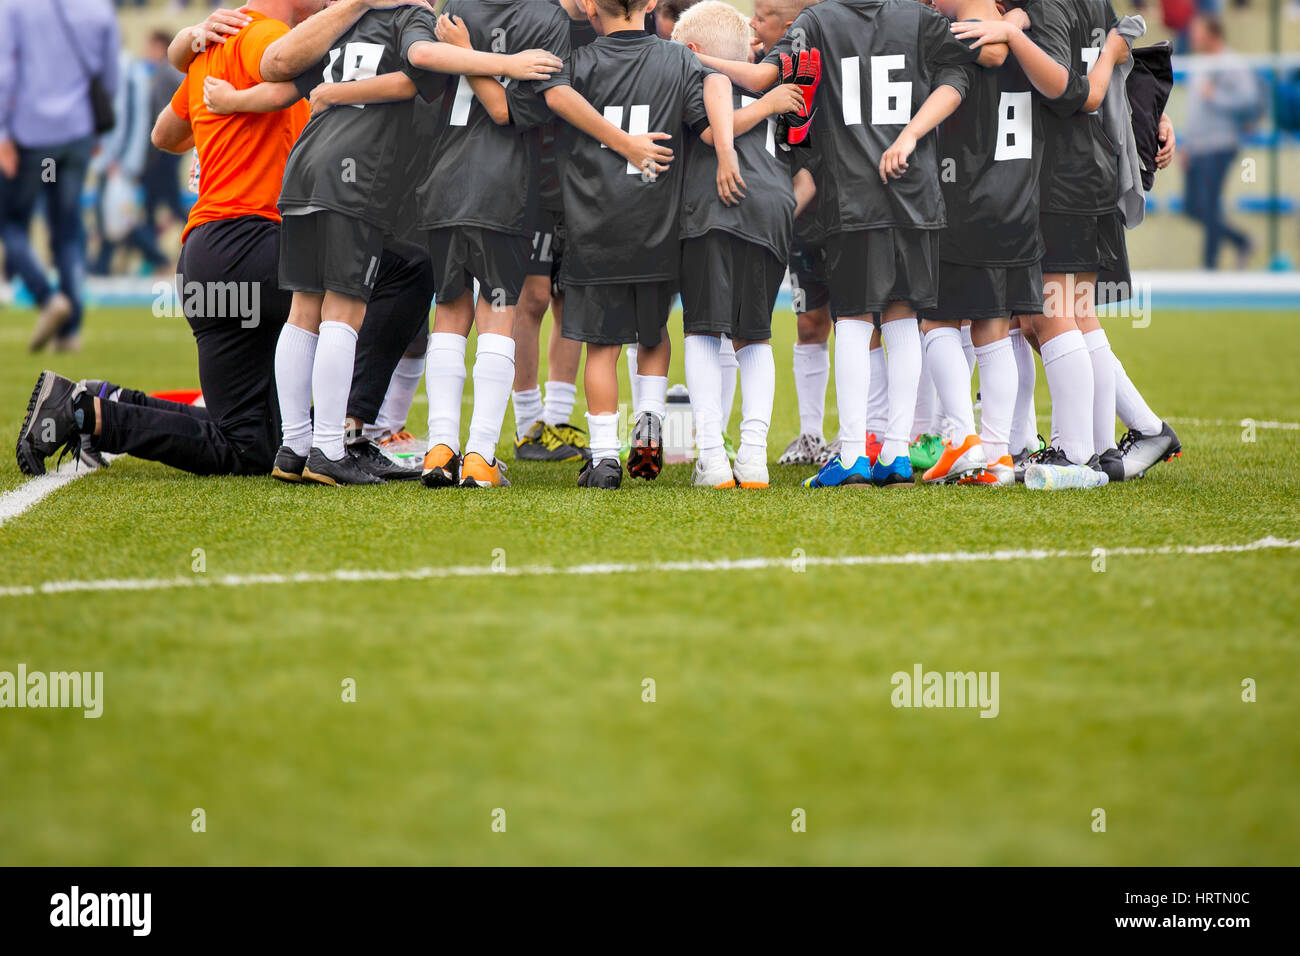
(548,248)
(328,251)
(618,314)
(461,254)
(808,275)
(870,268)
(986,292)
(1081,243)
(729,286)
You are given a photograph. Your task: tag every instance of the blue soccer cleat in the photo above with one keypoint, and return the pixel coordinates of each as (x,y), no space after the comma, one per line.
(833,474)
(896,472)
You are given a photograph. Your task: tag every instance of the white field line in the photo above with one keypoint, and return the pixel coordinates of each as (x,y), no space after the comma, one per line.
(343,576)
(34,490)
(1219,423)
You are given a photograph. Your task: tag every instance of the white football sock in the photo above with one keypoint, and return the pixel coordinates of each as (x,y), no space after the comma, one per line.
(295,353)
(559,402)
(331,380)
(494,373)
(444,382)
(968,347)
(903,354)
(951,377)
(998,393)
(602,431)
(703,381)
(812,370)
(1069,377)
(730,370)
(852,385)
(392,414)
(1131,407)
(1024,423)
(878,394)
(757,393)
(1103,390)
(528,409)
(631,374)
(652,394)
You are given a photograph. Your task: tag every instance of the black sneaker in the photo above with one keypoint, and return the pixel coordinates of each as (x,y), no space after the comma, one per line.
(1112,463)
(1139,452)
(368,455)
(345,471)
(50,424)
(1039,457)
(606,473)
(645,457)
(288,465)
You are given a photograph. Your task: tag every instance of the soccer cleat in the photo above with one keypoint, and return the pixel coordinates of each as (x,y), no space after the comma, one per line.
(1139,452)
(530,446)
(832,451)
(874,445)
(574,436)
(896,473)
(925,452)
(645,456)
(717,475)
(403,447)
(50,424)
(833,474)
(606,473)
(345,471)
(288,465)
(55,312)
(368,455)
(956,462)
(441,467)
(1111,463)
(805,450)
(996,473)
(548,443)
(752,473)
(477,472)
(1026,458)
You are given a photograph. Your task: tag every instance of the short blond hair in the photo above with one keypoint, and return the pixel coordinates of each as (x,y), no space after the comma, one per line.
(717,29)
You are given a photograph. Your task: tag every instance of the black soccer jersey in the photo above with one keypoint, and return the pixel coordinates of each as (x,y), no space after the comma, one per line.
(1080,168)
(808,227)
(766,215)
(881,59)
(621,225)
(352,159)
(990,153)
(484,175)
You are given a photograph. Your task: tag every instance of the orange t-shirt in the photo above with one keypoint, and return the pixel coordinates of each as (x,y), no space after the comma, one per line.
(242,155)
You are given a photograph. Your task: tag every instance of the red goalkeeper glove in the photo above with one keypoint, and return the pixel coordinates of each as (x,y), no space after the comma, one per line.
(806,73)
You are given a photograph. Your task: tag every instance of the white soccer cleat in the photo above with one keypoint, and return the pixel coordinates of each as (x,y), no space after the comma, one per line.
(716,475)
(750,472)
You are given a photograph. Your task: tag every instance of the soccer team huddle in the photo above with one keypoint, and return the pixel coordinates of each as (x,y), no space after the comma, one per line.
(937,181)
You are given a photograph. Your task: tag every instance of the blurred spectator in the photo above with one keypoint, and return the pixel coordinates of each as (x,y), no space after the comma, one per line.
(119,167)
(1177,16)
(161,170)
(46,140)
(1224,98)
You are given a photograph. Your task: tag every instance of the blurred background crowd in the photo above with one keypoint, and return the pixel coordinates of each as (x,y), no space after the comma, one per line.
(81,203)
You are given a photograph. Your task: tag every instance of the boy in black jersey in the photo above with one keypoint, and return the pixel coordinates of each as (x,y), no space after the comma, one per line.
(733,258)
(622,252)
(891,72)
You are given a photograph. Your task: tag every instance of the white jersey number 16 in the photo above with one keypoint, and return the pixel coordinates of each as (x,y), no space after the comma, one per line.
(891,100)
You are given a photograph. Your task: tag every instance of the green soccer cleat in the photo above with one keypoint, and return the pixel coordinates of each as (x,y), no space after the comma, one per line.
(925,452)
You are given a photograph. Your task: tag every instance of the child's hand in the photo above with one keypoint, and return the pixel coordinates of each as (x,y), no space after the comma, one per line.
(894,163)
(453,30)
(1168,142)
(533,65)
(984,32)
(1017,18)
(323,97)
(644,152)
(219,96)
(756,51)
(219,25)
(786,98)
(731,188)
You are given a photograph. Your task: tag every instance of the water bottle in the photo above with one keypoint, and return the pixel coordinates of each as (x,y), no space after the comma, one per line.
(1062,477)
(679,427)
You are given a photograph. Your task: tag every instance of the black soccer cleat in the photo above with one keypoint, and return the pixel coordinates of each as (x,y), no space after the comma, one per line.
(345,471)
(288,465)
(1025,459)
(1139,452)
(606,473)
(368,455)
(50,424)
(1112,463)
(645,457)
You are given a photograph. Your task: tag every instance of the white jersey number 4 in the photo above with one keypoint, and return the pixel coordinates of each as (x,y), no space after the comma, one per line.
(891,100)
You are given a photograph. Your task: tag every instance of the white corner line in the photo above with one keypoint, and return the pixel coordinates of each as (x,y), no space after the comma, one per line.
(341,576)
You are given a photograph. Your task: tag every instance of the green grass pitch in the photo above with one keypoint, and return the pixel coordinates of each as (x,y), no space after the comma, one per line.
(1119,690)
